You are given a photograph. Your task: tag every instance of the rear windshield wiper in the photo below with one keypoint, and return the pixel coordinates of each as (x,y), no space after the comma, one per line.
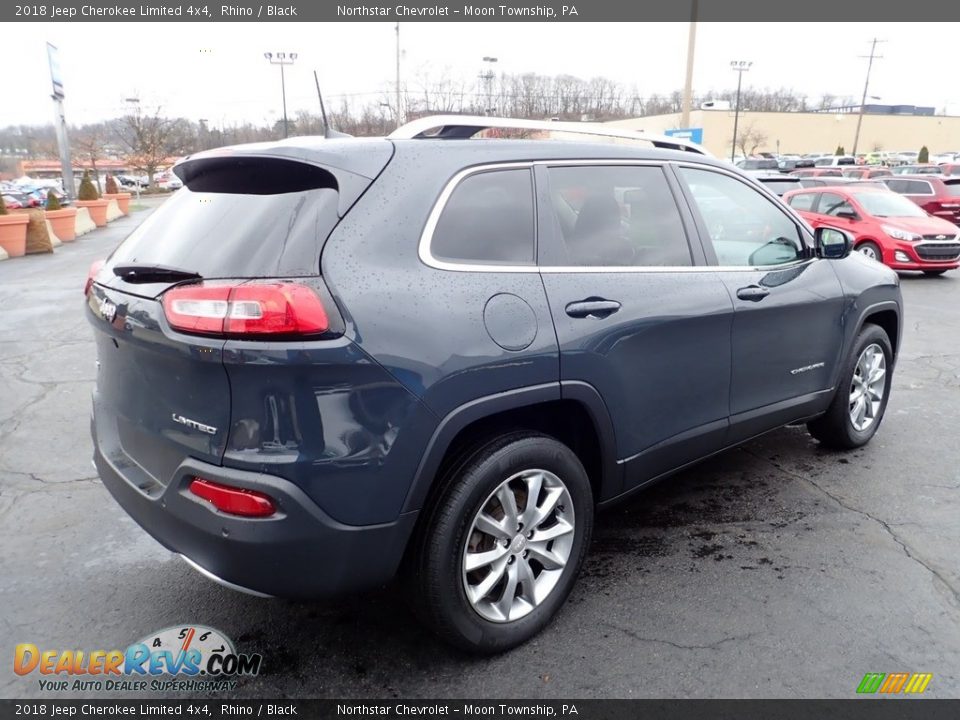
(137,273)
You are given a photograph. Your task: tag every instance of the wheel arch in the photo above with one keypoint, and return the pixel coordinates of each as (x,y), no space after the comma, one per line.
(572,412)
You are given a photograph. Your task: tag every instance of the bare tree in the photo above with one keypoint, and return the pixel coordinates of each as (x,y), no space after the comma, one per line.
(152,138)
(749,139)
(89,145)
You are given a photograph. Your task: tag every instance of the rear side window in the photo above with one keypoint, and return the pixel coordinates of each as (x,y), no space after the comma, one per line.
(488,220)
(615,216)
(240,218)
(917,187)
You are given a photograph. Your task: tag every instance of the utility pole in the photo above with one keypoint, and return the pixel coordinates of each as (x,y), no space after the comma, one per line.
(400,117)
(740,67)
(487,76)
(282,59)
(873,55)
(688,85)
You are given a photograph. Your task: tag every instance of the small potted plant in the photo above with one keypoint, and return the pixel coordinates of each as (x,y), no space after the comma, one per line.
(62,220)
(89,198)
(13,231)
(112,192)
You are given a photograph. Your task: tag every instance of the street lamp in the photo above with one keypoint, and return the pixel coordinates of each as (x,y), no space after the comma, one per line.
(282,59)
(135,102)
(487,76)
(740,67)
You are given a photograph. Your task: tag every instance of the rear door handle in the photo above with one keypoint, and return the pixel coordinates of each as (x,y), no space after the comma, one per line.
(753,293)
(592,307)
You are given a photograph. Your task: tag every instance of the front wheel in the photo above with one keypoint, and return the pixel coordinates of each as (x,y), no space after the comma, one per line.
(871,250)
(504,543)
(862,393)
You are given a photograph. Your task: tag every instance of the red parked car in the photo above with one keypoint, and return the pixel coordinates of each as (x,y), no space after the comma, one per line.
(951,169)
(886,226)
(939,196)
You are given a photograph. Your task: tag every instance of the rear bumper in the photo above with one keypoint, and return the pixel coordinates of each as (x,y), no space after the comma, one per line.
(300,552)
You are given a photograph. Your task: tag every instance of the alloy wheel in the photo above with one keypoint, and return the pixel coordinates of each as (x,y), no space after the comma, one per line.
(519,543)
(867,387)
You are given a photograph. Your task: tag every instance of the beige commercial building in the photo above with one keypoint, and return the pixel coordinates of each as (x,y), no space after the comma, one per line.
(813,132)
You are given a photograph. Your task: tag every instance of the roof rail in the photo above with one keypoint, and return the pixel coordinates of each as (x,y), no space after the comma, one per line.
(460,127)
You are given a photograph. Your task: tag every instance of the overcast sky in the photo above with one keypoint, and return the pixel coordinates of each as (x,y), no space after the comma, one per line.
(217,70)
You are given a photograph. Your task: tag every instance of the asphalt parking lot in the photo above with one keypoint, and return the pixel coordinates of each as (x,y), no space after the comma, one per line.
(773,570)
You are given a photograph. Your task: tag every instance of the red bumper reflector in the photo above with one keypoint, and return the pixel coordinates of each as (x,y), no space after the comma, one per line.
(233,500)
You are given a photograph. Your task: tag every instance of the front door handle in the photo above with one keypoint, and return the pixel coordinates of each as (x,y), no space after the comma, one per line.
(753,293)
(592,307)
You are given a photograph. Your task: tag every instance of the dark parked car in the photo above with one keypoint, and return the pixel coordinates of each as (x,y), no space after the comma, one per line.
(789,165)
(866,172)
(762,164)
(325,362)
(777,183)
(939,196)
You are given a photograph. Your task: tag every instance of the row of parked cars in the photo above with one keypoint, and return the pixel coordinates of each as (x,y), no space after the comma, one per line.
(907,217)
(19,195)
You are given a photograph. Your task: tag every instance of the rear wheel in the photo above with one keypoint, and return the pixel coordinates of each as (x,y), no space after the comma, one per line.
(861,399)
(871,250)
(933,273)
(503,544)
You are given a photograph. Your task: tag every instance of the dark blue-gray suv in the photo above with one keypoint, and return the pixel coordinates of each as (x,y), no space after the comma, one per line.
(327,362)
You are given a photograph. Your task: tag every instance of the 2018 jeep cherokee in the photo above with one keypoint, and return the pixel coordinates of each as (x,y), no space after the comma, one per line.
(327,361)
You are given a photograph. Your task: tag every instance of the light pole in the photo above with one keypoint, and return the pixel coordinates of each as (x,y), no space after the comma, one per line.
(866,84)
(740,67)
(135,102)
(282,59)
(487,76)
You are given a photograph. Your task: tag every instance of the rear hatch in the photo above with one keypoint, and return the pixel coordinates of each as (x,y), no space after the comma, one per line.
(949,208)
(247,228)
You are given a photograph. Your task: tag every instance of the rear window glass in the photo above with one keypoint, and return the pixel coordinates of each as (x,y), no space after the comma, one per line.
(232,234)
(488,219)
(952,187)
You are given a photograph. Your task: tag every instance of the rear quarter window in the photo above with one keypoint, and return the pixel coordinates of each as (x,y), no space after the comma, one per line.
(488,219)
(803,201)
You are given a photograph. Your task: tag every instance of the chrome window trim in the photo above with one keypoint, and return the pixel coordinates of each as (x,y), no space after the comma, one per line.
(426,236)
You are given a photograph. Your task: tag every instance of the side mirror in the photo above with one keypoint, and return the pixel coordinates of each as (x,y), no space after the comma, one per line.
(833,244)
(848,214)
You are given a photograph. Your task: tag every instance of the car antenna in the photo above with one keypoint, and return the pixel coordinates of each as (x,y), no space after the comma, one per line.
(327,132)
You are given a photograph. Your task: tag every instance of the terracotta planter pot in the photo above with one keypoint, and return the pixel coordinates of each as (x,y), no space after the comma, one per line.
(97,208)
(64,223)
(123,200)
(13,233)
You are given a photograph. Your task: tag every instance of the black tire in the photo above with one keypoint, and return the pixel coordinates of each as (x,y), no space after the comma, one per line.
(872,247)
(435,576)
(933,273)
(835,428)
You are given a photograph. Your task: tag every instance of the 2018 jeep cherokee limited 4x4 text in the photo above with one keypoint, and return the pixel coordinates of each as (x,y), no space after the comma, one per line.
(325,362)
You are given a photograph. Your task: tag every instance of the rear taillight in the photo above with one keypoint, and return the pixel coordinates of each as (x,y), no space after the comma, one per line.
(91,274)
(281,308)
(233,500)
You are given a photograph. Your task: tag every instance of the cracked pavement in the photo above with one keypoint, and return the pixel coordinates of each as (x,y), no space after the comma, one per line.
(773,570)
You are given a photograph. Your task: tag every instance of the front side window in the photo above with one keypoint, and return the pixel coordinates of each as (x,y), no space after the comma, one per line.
(615,215)
(833,204)
(803,201)
(744,227)
(488,219)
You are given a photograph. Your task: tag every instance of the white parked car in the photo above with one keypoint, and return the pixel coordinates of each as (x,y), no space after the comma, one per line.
(835,160)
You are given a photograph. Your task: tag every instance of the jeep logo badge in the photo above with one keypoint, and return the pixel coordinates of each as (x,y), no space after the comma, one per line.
(108,310)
